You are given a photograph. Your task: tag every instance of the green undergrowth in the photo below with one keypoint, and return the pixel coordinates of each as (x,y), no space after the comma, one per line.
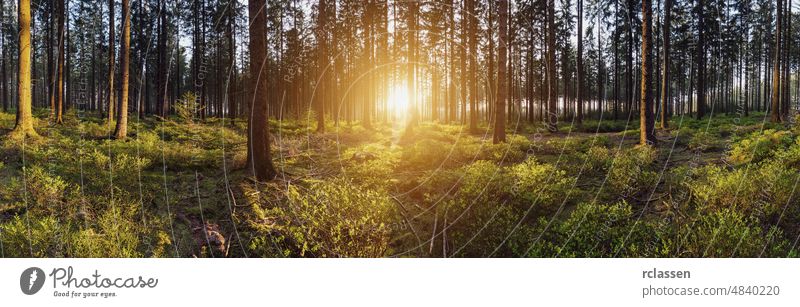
(717,187)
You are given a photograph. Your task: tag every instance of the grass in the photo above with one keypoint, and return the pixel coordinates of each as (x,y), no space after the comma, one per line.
(714,187)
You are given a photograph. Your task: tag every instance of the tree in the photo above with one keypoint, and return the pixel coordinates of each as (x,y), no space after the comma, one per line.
(322,62)
(60,66)
(701,60)
(552,88)
(161,71)
(111,54)
(472,23)
(500,109)
(775,111)
(579,86)
(647,120)
(122,114)
(3,67)
(665,66)
(24,123)
(259,158)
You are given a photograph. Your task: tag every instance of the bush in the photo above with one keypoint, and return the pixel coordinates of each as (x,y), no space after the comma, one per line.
(728,233)
(598,230)
(759,146)
(629,173)
(762,190)
(542,186)
(371,164)
(45,193)
(117,235)
(703,141)
(29,236)
(481,211)
(187,107)
(334,218)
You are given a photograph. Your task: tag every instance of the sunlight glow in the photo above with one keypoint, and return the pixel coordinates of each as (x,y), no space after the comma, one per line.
(398,100)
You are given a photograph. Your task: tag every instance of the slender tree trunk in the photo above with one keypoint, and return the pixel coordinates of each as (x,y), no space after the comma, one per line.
(463,59)
(701,61)
(552,88)
(4,79)
(647,120)
(24,123)
(122,115)
(61,56)
(665,67)
(231,61)
(111,62)
(322,61)
(775,112)
(258,139)
(369,50)
(785,85)
(500,116)
(579,87)
(473,66)
(163,64)
(629,57)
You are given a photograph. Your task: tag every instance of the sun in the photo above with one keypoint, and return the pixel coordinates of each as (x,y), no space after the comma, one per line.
(398,100)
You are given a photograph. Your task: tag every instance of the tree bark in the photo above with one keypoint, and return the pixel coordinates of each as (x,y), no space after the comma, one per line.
(665,66)
(322,61)
(552,87)
(500,110)
(60,66)
(579,86)
(111,61)
(24,123)
(647,120)
(122,115)
(701,61)
(775,112)
(258,139)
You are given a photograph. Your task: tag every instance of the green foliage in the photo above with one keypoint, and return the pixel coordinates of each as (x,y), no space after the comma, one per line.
(759,146)
(372,164)
(116,235)
(703,141)
(187,107)
(598,230)
(28,236)
(356,192)
(728,233)
(542,186)
(334,218)
(44,190)
(630,174)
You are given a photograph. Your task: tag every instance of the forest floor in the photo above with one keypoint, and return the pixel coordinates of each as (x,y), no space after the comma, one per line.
(721,186)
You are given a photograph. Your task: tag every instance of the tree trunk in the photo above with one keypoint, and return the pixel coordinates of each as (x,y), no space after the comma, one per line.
(647,120)
(61,56)
(122,115)
(258,139)
(111,53)
(322,60)
(499,112)
(665,66)
(473,66)
(552,88)
(701,61)
(579,86)
(24,123)
(775,112)
(231,61)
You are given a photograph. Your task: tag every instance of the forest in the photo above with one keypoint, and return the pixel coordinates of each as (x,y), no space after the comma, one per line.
(386,128)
